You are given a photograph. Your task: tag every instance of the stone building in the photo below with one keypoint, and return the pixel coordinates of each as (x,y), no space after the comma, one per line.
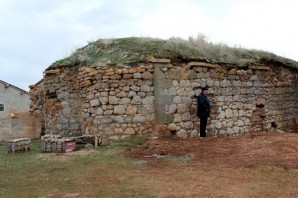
(129,86)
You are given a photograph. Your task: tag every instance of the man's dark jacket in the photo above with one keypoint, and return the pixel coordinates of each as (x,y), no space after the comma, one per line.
(203,106)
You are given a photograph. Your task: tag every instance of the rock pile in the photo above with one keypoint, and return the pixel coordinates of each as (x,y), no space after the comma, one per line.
(57,144)
(18,145)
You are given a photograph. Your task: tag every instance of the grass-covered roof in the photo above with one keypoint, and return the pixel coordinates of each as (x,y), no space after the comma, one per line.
(134,50)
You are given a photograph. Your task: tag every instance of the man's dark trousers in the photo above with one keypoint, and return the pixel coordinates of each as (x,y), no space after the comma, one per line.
(203,124)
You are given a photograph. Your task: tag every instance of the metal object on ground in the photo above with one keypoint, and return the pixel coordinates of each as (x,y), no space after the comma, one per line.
(94,140)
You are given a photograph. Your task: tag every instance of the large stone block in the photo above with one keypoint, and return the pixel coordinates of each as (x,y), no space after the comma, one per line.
(136,100)
(188,125)
(137,75)
(172,108)
(182,133)
(181,108)
(119,110)
(129,131)
(103,100)
(121,94)
(177,118)
(229,113)
(94,102)
(147,76)
(260,102)
(125,101)
(113,100)
(177,100)
(145,88)
(139,118)
(186,116)
(149,100)
(127,76)
(135,88)
(240,123)
(131,110)
(172,127)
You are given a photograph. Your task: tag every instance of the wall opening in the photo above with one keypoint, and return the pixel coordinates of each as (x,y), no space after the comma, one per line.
(51,95)
(1,107)
(258,115)
(274,125)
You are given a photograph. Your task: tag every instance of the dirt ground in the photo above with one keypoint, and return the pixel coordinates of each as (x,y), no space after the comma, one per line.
(252,165)
(248,166)
(240,151)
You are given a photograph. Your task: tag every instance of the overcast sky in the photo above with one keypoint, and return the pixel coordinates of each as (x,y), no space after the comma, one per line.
(36,33)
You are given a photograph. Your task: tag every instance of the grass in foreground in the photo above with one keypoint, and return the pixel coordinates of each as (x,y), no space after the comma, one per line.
(91,173)
(105,172)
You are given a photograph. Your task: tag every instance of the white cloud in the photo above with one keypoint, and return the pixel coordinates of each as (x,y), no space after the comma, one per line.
(268,25)
(178,19)
(36,33)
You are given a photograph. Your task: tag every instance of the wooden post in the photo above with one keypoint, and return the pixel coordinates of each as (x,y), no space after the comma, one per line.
(96,142)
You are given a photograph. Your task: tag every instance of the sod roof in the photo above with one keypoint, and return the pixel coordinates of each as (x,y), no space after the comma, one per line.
(133,50)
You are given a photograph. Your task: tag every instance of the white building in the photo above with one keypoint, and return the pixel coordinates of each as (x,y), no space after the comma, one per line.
(15,118)
(13,100)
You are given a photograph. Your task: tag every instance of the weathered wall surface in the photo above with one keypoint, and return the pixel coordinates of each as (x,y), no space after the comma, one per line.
(38,96)
(14,100)
(122,100)
(12,128)
(37,107)
(117,101)
(62,104)
(255,99)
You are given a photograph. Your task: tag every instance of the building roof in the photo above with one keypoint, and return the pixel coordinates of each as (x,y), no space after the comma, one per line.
(15,87)
(135,50)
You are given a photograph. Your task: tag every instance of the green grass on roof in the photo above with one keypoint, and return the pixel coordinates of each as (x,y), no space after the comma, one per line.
(133,50)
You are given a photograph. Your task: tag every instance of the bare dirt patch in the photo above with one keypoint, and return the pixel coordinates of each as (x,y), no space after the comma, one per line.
(252,165)
(240,151)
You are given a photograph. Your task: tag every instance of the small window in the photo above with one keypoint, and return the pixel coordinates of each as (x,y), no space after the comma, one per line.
(1,107)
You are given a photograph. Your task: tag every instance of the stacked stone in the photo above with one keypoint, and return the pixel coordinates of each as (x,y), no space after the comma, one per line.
(57,144)
(186,84)
(62,103)
(117,101)
(37,98)
(18,145)
(242,100)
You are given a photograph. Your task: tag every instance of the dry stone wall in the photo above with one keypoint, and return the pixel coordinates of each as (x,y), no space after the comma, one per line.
(62,102)
(254,99)
(117,101)
(37,98)
(125,100)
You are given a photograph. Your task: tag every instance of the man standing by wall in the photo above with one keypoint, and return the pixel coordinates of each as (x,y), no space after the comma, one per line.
(203,110)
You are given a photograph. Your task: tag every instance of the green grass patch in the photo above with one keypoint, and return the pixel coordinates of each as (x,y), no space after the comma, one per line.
(100,172)
(124,144)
